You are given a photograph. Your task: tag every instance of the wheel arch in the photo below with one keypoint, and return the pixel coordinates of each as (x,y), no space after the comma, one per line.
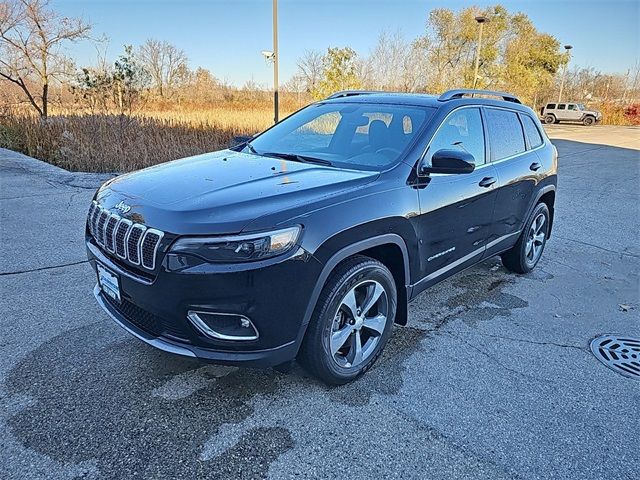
(388,249)
(547,195)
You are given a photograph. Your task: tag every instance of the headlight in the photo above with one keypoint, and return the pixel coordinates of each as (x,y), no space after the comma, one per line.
(240,248)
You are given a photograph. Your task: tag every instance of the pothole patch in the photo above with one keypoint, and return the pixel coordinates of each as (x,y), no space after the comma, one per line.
(618,352)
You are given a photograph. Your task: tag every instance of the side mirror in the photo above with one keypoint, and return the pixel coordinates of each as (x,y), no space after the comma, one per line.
(449,161)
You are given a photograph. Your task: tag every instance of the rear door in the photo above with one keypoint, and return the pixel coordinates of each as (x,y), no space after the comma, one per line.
(456,209)
(516,164)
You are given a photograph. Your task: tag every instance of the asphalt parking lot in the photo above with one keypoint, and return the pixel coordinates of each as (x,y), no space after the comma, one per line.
(493,377)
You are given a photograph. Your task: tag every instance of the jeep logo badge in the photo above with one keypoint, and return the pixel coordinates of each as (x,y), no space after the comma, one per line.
(122,207)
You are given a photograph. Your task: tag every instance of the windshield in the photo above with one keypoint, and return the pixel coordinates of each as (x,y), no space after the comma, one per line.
(581,106)
(348,135)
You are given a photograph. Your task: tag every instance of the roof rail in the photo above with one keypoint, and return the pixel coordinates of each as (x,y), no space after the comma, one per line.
(459,93)
(351,93)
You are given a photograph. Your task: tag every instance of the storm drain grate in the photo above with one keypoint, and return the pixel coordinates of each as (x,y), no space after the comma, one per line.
(621,354)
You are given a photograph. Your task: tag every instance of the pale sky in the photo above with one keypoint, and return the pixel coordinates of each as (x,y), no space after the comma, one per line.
(227,36)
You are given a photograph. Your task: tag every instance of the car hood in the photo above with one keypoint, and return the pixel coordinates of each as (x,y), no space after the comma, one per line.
(222,192)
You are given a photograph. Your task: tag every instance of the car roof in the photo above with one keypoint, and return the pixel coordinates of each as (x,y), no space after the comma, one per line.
(420,100)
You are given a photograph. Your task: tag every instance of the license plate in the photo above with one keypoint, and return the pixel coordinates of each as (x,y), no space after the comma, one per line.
(109,282)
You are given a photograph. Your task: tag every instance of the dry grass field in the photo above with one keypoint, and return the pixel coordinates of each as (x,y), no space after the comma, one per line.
(111,142)
(106,142)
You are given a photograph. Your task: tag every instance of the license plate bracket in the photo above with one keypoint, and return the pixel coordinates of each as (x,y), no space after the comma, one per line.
(109,282)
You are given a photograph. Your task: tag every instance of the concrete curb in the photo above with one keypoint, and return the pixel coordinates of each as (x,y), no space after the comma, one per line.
(14,160)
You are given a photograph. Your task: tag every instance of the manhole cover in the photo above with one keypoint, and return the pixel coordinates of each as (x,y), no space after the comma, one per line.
(619,353)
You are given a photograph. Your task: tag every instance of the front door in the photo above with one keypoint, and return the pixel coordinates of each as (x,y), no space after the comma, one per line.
(573,112)
(456,210)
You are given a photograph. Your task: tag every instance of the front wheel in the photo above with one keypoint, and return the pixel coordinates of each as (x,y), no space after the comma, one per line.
(525,254)
(352,321)
(588,121)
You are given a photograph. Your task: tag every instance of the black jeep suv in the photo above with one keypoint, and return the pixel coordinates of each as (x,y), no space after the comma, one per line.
(310,239)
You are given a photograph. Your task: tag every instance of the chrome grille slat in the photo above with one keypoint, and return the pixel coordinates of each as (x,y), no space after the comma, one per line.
(109,228)
(121,237)
(102,218)
(149,247)
(133,242)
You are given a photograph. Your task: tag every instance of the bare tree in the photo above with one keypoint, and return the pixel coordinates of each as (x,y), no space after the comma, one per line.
(310,69)
(167,65)
(396,64)
(32,40)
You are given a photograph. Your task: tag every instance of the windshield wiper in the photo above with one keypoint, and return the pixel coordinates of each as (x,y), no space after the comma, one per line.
(297,158)
(250,147)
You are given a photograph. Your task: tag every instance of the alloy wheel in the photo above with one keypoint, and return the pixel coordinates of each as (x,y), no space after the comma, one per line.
(359,324)
(535,239)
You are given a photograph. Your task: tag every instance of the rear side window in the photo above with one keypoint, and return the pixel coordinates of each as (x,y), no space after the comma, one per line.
(461,130)
(505,134)
(530,128)
(551,106)
(561,106)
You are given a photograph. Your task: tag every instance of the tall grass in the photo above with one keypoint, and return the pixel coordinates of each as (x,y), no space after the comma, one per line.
(109,142)
(106,143)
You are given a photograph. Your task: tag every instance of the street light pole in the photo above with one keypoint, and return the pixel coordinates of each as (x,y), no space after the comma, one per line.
(481,20)
(564,73)
(275,61)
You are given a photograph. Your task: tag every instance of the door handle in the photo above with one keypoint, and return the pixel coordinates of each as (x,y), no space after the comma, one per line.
(487,181)
(535,166)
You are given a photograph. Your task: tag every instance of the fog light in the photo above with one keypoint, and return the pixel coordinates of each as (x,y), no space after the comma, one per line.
(223,326)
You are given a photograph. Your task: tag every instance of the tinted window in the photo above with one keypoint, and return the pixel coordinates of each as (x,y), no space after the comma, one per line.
(551,106)
(505,133)
(349,135)
(462,130)
(572,107)
(533,134)
(561,106)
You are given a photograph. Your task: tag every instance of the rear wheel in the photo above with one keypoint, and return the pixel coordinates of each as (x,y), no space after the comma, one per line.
(525,254)
(352,321)
(549,119)
(588,121)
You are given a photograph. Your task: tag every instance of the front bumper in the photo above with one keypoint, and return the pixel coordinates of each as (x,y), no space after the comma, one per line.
(275,297)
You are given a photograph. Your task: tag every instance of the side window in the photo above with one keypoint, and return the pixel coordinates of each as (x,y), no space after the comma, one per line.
(505,133)
(561,106)
(551,106)
(572,107)
(461,130)
(530,128)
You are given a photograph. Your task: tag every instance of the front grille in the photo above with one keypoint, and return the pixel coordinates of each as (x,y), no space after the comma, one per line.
(130,241)
(147,321)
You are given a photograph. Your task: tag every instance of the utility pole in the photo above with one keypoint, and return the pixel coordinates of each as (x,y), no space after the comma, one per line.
(275,61)
(564,73)
(481,20)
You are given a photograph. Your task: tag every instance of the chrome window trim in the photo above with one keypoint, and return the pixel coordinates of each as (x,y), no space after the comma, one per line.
(160,234)
(487,150)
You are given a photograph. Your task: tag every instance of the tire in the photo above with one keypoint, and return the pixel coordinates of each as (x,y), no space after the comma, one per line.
(332,356)
(588,121)
(549,119)
(525,254)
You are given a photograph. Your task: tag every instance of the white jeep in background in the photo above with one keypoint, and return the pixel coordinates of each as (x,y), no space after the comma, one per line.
(569,112)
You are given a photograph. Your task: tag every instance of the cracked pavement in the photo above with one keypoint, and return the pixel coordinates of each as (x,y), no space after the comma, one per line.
(492,378)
